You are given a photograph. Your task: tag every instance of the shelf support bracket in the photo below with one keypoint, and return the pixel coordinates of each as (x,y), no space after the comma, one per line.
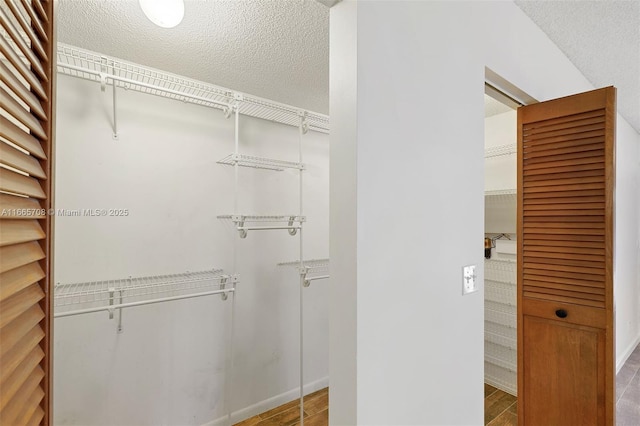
(104,63)
(111,292)
(240,225)
(119,329)
(115,116)
(223,284)
(303,273)
(228,110)
(304,124)
(292,229)
(112,296)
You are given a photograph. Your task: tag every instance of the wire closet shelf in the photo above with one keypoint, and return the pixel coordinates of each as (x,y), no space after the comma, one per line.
(310,270)
(259,162)
(88,65)
(244,223)
(500,150)
(96,296)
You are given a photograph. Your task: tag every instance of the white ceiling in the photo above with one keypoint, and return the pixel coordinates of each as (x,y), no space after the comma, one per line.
(279,49)
(602,39)
(276,49)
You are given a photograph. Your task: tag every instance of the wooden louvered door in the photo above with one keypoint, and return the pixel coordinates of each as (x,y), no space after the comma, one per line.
(566,182)
(26,66)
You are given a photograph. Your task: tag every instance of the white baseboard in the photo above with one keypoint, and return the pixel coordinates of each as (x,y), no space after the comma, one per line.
(627,353)
(269,403)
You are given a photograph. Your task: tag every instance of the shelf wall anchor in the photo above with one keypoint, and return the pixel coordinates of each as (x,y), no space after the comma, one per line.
(223,284)
(304,123)
(240,225)
(292,229)
(111,292)
(119,329)
(115,116)
(104,69)
(303,274)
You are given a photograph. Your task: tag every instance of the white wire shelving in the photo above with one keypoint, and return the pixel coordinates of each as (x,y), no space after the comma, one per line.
(310,270)
(245,223)
(106,70)
(292,223)
(111,295)
(501,193)
(500,150)
(259,162)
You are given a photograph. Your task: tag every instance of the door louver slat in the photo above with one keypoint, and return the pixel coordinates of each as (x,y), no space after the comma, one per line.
(36,418)
(19,279)
(9,104)
(20,208)
(560,274)
(20,231)
(17,255)
(17,183)
(20,161)
(555,161)
(567,118)
(15,135)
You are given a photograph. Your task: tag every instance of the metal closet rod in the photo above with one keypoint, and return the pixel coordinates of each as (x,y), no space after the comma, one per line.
(143,302)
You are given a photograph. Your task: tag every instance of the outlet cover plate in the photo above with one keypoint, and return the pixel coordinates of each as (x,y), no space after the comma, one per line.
(469,279)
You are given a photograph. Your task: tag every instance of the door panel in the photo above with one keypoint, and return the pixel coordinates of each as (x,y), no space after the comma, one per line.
(564,362)
(26,115)
(566,180)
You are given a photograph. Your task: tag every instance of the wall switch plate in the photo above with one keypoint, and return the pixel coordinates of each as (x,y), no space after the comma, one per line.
(469,279)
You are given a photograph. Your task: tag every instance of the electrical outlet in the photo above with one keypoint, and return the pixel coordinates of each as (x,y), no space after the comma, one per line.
(469,279)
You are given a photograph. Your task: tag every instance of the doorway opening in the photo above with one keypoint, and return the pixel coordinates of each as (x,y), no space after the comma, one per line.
(500,265)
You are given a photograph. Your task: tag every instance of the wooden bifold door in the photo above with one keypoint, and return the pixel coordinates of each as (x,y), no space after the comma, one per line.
(566,181)
(26,72)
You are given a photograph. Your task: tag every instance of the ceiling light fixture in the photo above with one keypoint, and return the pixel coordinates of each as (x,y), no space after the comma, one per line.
(164,13)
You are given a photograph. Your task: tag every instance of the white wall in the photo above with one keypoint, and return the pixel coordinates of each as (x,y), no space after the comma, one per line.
(627,242)
(500,173)
(418,144)
(343,234)
(168,367)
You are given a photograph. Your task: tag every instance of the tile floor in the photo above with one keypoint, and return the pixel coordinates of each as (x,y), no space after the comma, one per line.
(500,408)
(628,391)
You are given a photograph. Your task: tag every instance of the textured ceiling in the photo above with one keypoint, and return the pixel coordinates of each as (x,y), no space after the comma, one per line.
(493,107)
(279,49)
(602,39)
(276,49)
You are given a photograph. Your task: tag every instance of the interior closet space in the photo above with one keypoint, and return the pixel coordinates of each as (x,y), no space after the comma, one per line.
(500,265)
(182,304)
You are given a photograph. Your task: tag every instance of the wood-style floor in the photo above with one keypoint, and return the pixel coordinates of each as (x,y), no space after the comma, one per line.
(316,412)
(500,408)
